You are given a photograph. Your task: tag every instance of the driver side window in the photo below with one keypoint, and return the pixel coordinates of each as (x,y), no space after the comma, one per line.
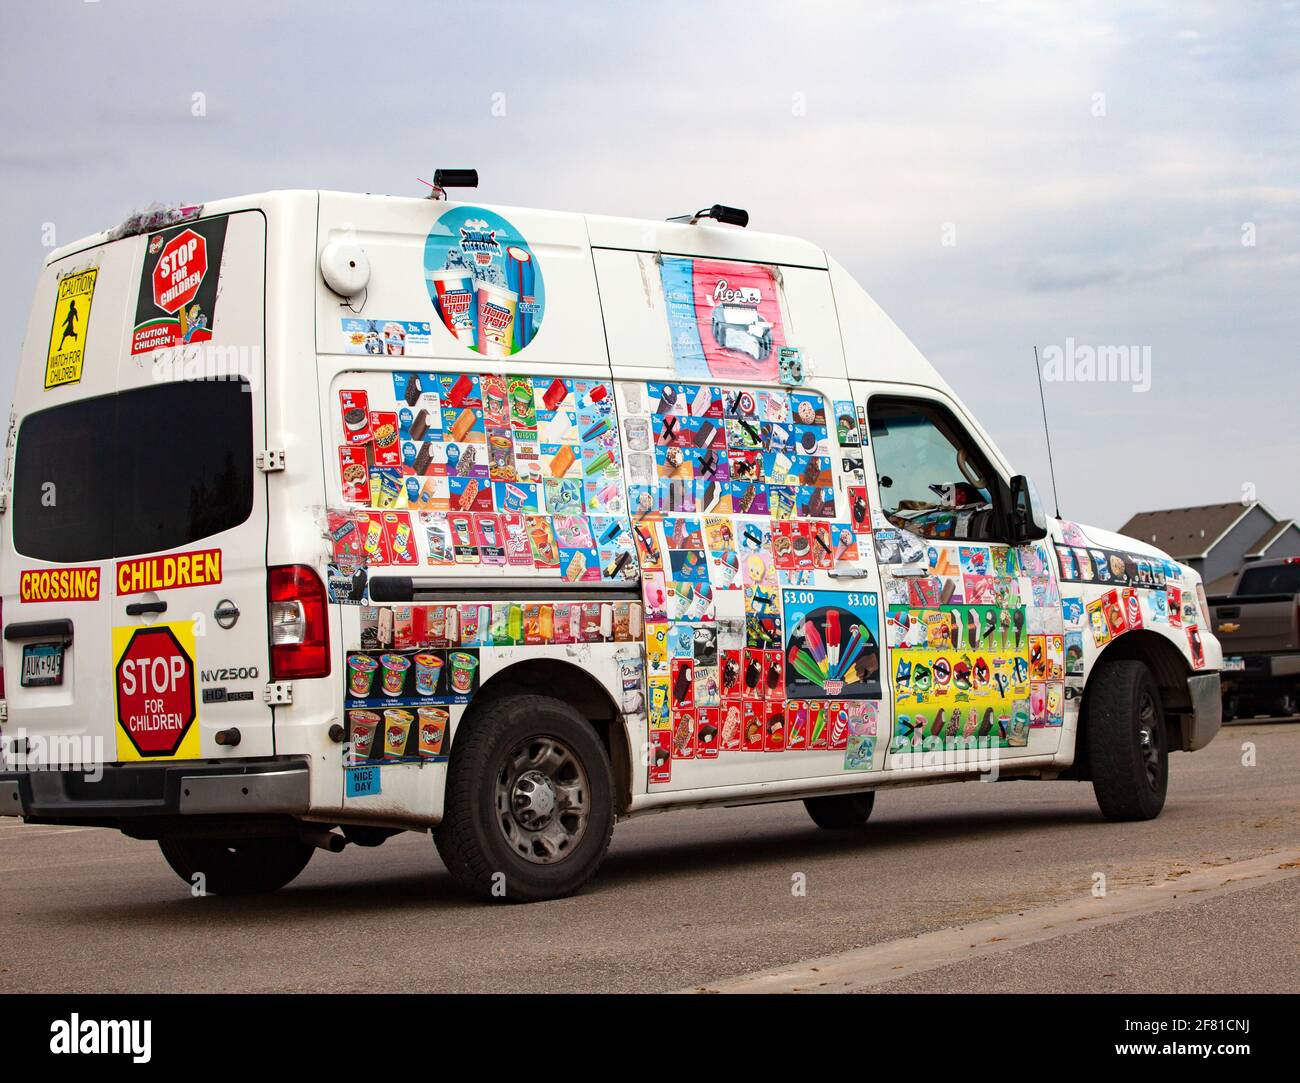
(933,480)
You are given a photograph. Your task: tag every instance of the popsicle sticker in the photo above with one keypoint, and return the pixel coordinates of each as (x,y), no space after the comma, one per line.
(452,291)
(832,645)
(484,280)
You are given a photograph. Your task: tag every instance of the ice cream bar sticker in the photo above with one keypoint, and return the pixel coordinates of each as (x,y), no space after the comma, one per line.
(520,278)
(484,281)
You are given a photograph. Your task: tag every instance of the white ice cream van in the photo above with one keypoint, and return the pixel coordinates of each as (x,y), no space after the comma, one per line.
(327,517)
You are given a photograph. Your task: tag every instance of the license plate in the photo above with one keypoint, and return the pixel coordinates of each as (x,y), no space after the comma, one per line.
(42,664)
(1234,663)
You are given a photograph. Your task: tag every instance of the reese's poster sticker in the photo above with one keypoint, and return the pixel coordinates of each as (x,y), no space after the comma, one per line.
(68,334)
(177,301)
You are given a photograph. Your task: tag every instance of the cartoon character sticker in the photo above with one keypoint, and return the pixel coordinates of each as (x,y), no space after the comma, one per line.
(384,338)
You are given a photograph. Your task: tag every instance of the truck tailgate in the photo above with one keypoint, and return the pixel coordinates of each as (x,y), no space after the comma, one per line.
(1267,623)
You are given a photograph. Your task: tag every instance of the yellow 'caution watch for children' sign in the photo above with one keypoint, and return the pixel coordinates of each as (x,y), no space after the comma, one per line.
(68,334)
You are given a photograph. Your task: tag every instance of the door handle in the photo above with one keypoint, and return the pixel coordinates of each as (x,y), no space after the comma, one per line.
(135,609)
(848,573)
(909,571)
(40,629)
(405,588)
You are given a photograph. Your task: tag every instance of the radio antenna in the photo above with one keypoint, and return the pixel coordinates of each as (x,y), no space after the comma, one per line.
(1047,433)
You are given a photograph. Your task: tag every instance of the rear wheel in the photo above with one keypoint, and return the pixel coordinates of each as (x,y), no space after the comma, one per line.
(1285,705)
(841,812)
(529,810)
(240,867)
(1231,708)
(1127,750)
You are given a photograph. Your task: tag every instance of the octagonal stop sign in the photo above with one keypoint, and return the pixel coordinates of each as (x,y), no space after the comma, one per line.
(179,271)
(155,691)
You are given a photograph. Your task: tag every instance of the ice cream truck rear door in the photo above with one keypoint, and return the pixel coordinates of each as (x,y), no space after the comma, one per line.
(135,581)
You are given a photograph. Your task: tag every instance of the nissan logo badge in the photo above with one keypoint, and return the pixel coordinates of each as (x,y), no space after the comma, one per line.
(226,613)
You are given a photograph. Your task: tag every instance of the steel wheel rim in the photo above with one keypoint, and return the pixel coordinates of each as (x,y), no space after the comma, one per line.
(1148,736)
(542,800)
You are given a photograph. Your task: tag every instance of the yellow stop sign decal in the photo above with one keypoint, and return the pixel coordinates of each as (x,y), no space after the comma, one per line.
(154,690)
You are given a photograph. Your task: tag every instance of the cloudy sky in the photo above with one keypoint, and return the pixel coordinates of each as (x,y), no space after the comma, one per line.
(1111,174)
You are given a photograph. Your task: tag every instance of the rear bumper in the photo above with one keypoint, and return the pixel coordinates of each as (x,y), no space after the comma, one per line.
(1207,711)
(1286,664)
(1263,674)
(257,787)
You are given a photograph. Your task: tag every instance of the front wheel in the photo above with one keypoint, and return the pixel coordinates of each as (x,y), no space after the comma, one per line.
(1127,750)
(842,811)
(529,808)
(240,867)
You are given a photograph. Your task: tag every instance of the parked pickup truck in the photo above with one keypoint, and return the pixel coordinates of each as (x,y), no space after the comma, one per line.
(1259,627)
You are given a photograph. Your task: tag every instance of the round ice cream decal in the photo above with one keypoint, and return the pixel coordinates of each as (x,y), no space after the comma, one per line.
(484,281)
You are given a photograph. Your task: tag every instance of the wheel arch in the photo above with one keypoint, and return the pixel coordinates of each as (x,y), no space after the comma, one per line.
(581,690)
(1170,670)
(1168,665)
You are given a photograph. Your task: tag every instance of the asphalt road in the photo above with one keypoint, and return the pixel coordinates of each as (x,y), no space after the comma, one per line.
(696,899)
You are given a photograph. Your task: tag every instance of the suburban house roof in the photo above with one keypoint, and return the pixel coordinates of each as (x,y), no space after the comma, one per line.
(1258,551)
(1188,533)
(1260,548)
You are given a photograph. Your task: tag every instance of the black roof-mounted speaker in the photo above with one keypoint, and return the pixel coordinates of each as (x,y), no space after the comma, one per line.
(455,178)
(731,216)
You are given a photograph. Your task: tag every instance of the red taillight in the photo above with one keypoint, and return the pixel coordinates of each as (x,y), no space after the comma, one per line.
(300,631)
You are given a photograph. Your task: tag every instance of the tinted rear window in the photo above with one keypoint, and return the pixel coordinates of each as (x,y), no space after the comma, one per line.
(1279,579)
(136,472)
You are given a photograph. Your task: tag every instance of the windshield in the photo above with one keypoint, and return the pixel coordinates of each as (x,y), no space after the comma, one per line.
(137,472)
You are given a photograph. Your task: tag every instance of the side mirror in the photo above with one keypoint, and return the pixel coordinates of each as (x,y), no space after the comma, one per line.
(1028,519)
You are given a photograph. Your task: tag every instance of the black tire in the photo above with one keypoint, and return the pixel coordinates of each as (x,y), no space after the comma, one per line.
(841,811)
(239,867)
(1230,708)
(497,837)
(1127,748)
(1284,706)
